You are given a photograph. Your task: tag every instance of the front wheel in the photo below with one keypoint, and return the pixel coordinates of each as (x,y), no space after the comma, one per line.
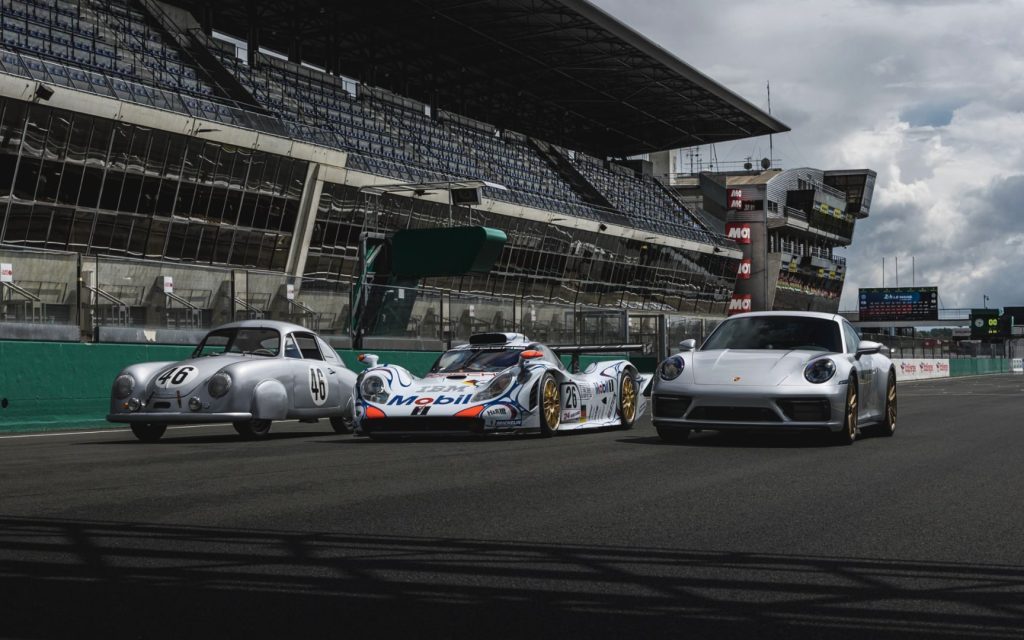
(627,400)
(252,429)
(550,405)
(887,427)
(149,432)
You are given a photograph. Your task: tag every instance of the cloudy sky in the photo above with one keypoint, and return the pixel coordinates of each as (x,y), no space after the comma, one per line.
(930,94)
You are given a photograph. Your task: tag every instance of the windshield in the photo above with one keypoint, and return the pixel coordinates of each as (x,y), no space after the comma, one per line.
(776,332)
(475,360)
(248,341)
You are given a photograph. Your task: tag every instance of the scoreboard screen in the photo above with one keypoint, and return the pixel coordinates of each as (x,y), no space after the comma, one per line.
(899,303)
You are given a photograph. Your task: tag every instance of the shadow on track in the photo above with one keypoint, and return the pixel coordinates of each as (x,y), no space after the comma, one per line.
(73,578)
(171,438)
(742,440)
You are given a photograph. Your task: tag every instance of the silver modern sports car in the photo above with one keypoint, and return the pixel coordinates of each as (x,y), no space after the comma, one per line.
(248,373)
(777,370)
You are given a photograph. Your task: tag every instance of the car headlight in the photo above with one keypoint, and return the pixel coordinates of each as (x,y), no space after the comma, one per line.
(671,368)
(497,387)
(374,389)
(123,385)
(820,370)
(219,384)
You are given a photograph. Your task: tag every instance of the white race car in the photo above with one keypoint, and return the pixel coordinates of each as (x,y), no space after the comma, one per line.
(499,383)
(777,370)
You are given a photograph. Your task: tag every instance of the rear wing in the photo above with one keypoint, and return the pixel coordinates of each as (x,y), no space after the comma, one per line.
(576,349)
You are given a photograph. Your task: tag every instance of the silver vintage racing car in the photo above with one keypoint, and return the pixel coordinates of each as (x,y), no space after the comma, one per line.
(777,370)
(248,373)
(499,382)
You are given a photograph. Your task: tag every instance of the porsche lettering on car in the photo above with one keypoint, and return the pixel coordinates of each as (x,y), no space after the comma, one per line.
(777,370)
(499,382)
(248,373)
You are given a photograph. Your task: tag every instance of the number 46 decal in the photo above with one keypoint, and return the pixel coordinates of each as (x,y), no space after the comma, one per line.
(318,385)
(176,376)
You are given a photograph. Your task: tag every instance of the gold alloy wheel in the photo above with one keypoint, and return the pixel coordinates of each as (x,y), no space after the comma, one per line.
(891,404)
(552,404)
(628,399)
(851,413)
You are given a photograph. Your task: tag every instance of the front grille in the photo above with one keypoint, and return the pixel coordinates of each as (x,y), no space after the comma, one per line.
(671,406)
(422,425)
(161,405)
(734,414)
(806,410)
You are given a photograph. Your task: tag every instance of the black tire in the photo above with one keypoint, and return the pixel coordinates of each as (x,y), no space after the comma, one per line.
(673,435)
(549,403)
(629,395)
(342,424)
(149,432)
(252,429)
(848,434)
(887,427)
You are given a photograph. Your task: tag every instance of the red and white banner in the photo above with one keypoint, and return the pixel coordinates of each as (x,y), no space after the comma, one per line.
(921,368)
(743,270)
(738,232)
(6,272)
(168,284)
(740,303)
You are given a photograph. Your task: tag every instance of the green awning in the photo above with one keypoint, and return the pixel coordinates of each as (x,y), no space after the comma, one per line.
(452,251)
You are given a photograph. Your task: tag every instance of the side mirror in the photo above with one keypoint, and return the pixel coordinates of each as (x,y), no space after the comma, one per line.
(867,347)
(369,359)
(688,345)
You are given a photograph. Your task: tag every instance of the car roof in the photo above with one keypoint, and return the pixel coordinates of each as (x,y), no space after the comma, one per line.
(283,327)
(792,314)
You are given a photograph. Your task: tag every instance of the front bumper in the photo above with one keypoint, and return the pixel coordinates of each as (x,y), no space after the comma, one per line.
(190,417)
(726,407)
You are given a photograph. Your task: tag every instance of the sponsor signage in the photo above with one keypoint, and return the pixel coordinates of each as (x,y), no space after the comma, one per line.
(737,202)
(740,303)
(6,272)
(921,368)
(738,232)
(743,271)
(289,291)
(899,303)
(168,285)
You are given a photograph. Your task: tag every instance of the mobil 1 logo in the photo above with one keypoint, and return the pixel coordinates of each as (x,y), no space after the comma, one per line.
(318,385)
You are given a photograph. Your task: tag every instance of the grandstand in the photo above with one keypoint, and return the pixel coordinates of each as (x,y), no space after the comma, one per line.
(142,139)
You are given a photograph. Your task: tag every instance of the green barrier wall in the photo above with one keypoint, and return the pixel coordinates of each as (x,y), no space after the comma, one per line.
(977,366)
(57,385)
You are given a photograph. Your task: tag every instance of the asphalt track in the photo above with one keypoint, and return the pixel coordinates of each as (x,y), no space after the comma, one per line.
(609,534)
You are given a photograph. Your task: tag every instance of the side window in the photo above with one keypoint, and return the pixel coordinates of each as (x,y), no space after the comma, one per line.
(291,350)
(307,345)
(852,338)
(330,355)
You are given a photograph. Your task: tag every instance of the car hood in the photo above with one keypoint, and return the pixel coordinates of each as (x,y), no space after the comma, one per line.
(748,367)
(459,383)
(200,371)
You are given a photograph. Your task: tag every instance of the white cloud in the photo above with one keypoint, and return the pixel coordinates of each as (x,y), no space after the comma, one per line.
(928,94)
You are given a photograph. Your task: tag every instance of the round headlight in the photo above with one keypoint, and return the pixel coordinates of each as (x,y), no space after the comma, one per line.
(195,403)
(374,389)
(219,384)
(123,385)
(496,387)
(134,404)
(671,368)
(820,371)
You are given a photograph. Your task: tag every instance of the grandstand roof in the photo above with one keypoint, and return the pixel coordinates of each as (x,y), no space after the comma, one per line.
(561,70)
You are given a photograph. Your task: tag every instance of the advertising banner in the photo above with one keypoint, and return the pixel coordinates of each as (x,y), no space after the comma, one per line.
(738,232)
(899,303)
(921,368)
(168,284)
(740,303)
(6,272)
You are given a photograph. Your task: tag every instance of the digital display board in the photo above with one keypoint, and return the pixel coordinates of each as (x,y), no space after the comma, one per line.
(985,324)
(899,303)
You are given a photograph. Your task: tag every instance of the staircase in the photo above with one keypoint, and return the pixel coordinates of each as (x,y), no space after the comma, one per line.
(561,165)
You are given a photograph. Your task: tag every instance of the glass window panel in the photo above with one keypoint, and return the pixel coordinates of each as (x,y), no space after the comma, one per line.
(7,168)
(218,197)
(140,236)
(35,132)
(297,179)
(206,243)
(175,156)
(207,162)
(248,210)
(99,143)
(256,167)
(176,239)
(232,203)
(111,195)
(192,161)
(12,126)
(290,215)
(193,238)
(157,238)
(103,232)
(269,182)
(148,195)
(138,151)
(183,201)
(81,230)
(166,198)
(275,214)
(279,259)
(120,145)
(17,223)
(222,249)
(89,196)
(222,171)
(130,193)
(60,228)
(70,181)
(261,214)
(25,181)
(57,138)
(78,141)
(201,202)
(157,155)
(240,167)
(49,181)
